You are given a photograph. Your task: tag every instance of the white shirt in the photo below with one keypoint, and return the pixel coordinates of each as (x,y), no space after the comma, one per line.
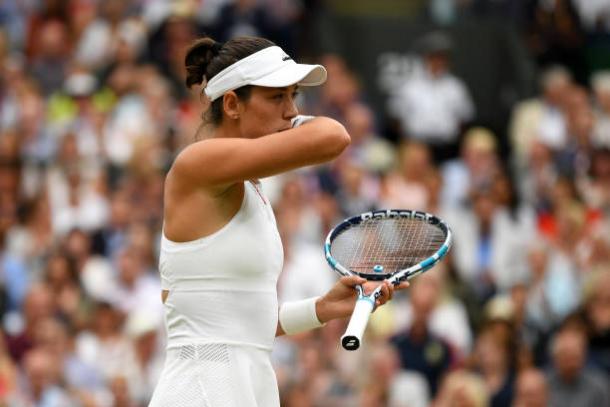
(222,287)
(432,109)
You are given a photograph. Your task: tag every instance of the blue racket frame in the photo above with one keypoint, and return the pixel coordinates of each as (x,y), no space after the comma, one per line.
(366,303)
(404,274)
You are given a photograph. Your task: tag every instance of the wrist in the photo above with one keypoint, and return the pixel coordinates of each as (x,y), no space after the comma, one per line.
(323,311)
(320,309)
(300,120)
(299,316)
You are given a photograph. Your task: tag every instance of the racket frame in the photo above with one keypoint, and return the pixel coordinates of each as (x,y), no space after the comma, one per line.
(362,311)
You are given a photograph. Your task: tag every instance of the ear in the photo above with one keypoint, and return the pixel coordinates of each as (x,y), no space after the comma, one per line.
(230,105)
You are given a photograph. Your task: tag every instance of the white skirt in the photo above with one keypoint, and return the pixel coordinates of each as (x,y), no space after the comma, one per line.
(216,375)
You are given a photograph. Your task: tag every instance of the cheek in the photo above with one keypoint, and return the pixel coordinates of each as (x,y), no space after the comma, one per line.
(262,121)
(252,128)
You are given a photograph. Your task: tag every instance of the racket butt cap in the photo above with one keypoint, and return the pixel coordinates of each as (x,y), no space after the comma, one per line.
(350,342)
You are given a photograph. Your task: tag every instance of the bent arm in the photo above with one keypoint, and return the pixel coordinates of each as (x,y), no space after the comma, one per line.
(224,161)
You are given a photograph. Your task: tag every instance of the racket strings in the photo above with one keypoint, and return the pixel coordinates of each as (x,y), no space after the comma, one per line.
(394,243)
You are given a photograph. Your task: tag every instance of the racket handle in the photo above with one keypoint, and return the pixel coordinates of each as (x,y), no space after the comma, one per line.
(355,329)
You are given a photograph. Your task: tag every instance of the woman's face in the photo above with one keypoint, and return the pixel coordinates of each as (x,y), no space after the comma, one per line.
(268,110)
(489,353)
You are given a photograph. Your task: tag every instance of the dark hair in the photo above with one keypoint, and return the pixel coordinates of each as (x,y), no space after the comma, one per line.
(205,58)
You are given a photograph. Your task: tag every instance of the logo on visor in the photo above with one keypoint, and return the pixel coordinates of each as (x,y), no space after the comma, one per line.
(286,58)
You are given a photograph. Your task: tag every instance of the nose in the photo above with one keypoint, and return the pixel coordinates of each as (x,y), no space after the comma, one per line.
(291,110)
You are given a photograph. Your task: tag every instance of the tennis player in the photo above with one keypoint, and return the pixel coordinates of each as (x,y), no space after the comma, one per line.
(221,253)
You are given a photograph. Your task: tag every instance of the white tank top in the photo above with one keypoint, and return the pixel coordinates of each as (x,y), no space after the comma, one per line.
(222,287)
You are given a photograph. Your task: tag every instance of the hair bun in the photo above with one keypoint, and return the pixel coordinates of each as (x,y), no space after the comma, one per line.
(216,47)
(197,59)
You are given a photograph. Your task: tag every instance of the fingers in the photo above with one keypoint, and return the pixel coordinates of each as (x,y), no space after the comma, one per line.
(386,294)
(352,281)
(402,285)
(387,291)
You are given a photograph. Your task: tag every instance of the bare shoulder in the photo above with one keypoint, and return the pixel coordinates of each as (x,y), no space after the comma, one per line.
(192,211)
(200,161)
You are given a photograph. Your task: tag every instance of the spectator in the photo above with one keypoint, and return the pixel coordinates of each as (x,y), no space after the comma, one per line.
(448,319)
(419,349)
(475,168)
(571,382)
(550,294)
(81,380)
(396,386)
(359,190)
(537,179)
(136,288)
(462,388)
(63,280)
(49,65)
(600,83)
(531,389)
(339,95)
(369,150)
(595,187)
(42,384)
(404,187)
(38,305)
(572,156)
(433,105)
(542,118)
(490,242)
(101,37)
(494,360)
(596,304)
(105,347)
(143,328)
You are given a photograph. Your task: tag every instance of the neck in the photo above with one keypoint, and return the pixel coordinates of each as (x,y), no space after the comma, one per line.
(228,128)
(209,130)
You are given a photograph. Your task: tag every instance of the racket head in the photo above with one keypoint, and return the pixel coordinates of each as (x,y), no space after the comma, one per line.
(381,244)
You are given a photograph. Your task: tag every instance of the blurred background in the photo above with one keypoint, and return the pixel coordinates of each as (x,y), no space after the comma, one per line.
(493,114)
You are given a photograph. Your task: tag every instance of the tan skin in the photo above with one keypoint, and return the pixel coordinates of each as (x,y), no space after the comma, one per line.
(205,186)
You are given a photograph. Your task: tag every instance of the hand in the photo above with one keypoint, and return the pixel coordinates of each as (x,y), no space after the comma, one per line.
(339,302)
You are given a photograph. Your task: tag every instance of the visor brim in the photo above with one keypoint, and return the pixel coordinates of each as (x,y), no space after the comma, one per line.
(301,74)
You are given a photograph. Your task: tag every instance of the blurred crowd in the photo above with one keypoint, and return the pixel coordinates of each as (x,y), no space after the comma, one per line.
(93,110)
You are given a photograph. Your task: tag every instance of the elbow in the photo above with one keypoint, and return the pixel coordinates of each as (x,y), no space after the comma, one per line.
(339,139)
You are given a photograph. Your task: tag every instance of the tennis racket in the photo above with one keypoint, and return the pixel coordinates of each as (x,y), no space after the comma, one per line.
(389,244)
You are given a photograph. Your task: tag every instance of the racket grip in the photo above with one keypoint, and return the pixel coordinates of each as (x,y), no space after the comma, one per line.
(355,329)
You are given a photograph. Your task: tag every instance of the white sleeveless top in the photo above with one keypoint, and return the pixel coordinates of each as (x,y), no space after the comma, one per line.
(222,287)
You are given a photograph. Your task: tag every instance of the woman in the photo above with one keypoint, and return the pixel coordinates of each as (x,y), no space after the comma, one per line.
(221,253)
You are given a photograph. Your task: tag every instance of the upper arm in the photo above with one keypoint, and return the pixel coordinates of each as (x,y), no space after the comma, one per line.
(223,161)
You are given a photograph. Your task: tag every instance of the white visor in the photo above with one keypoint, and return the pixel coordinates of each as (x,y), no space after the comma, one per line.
(270,67)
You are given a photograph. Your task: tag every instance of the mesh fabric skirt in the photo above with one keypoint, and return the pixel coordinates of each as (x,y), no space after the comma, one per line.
(216,375)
